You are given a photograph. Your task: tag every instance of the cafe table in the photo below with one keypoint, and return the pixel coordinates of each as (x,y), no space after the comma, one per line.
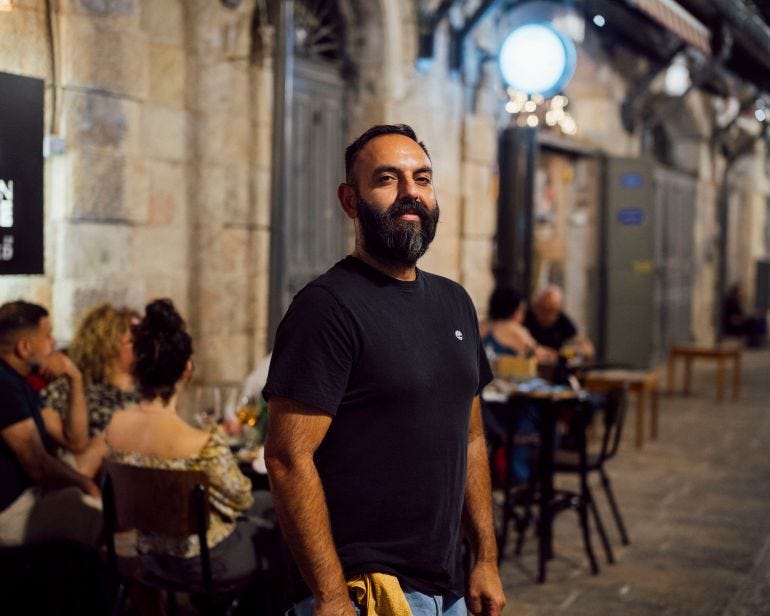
(550,400)
(643,383)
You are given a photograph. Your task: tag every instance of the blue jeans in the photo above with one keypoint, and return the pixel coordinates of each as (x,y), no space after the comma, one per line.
(420,604)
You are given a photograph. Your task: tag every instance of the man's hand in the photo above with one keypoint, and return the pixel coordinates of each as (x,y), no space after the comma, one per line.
(57,364)
(545,355)
(89,487)
(485,591)
(293,435)
(485,595)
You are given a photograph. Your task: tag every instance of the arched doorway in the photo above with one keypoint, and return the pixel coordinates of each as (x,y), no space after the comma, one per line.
(307,226)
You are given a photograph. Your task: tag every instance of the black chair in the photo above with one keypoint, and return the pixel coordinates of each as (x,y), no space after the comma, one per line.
(587,460)
(500,419)
(168,502)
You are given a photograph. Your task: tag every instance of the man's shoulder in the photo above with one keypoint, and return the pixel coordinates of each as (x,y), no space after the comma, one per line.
(565,321)
(444,284)
(10,380)
(328,287)
(16,398)
(345,279)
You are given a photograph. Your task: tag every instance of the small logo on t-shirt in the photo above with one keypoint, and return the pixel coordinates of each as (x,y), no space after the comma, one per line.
(458,334)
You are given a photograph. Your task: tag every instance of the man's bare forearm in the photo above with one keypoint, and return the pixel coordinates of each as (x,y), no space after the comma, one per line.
(51,472)
(477,511)
(304,518)
(75,424)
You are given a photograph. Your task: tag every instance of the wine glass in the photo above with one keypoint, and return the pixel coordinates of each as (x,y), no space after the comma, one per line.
(248,414)
(207,402)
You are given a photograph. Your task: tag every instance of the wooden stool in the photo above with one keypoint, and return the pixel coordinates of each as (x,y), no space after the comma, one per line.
(721,353)
(642,383)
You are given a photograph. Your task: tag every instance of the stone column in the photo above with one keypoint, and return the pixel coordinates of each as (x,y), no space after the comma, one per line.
(222,217)
(100,188)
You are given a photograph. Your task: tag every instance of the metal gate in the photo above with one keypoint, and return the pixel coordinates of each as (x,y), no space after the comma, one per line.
(314,222)
(674,254)
(308,226)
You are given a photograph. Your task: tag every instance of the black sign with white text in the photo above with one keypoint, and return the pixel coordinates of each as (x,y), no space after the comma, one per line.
(21,174)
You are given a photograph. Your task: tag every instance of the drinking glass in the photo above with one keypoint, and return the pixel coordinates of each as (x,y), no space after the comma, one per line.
(207,402)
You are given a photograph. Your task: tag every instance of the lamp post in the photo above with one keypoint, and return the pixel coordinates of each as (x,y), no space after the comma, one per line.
(536,61)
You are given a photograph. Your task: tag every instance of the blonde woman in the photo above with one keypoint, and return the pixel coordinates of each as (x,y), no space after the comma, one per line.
(102,350)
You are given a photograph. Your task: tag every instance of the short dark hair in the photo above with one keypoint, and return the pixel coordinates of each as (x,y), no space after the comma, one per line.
(352,151)
(162,348)
(503,302)
(18,316)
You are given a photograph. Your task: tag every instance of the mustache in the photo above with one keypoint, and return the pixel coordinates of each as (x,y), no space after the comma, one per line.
(408,206)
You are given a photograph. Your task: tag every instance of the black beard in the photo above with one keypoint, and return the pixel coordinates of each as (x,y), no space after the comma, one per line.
(400,241)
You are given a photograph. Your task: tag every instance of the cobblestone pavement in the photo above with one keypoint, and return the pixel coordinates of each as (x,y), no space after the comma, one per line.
(696,503)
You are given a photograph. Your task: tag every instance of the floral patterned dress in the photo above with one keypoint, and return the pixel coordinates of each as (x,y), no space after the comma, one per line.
(229,494)
(102,400)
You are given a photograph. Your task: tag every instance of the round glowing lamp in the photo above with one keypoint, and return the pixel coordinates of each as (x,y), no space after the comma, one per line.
(537,59)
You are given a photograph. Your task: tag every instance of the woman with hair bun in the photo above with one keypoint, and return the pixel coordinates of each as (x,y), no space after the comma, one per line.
(151,434)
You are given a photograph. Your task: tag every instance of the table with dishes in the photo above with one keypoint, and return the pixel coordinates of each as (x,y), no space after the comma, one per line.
(550,400)
(242,419)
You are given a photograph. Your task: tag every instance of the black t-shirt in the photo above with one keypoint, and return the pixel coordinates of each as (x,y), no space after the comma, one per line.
(554,336)
(18,402)
(397,364)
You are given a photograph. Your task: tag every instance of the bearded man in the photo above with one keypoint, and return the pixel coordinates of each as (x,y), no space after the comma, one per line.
(375,447)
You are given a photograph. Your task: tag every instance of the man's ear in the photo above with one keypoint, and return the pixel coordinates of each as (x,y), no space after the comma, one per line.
(347,198)
(21,347)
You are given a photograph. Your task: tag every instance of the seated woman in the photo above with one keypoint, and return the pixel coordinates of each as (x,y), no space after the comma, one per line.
(503,333)
(151,434)
(102,350)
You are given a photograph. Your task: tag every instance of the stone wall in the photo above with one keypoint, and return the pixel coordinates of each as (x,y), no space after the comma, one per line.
(164,188)
(160,189)
(24,51)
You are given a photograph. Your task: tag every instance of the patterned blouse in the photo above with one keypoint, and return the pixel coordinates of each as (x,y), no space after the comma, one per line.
(229,494)
(102,400)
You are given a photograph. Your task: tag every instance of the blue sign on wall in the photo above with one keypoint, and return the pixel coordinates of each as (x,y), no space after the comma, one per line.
(631,216)
(21,175)
(631,180)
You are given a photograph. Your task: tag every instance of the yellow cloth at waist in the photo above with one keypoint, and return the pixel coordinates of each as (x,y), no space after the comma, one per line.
(379,594)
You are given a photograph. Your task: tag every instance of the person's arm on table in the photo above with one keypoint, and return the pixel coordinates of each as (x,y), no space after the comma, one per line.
(584,347)
(70,430)
(485,590)
(546,355)
(294,433)
(45,470)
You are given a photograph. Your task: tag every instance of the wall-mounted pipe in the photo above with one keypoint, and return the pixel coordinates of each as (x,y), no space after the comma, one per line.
(458,37)
(428,25)
(751,26)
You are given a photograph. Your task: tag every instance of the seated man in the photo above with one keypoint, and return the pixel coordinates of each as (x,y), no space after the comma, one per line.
(551,328)
(41,498)
(554,330)
(736,322)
